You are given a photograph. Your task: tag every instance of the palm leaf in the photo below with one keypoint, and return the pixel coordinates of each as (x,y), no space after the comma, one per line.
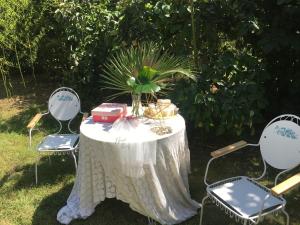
(152,69)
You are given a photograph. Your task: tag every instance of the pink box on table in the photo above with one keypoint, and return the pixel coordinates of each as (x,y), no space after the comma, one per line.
(109,112)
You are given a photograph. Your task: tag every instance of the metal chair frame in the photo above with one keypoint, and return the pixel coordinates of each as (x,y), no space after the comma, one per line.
(58,151)
(258,218)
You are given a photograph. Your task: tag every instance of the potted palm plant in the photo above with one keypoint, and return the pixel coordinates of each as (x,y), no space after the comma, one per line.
(144,69)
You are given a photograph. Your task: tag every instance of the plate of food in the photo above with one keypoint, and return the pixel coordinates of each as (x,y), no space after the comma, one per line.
(163,109)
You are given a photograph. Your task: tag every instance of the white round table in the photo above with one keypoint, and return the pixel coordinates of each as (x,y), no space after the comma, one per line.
(146,170)
(103,132)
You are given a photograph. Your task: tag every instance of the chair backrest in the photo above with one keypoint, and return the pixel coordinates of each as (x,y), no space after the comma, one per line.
(280,142)
(64,104)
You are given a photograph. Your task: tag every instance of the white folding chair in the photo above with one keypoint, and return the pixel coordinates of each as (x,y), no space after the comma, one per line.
(63,105)
(243,198)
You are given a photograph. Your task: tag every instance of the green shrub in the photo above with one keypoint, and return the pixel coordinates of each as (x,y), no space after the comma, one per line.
(90,30)
(229,97)
(22,28)
(249,50)
(10,13)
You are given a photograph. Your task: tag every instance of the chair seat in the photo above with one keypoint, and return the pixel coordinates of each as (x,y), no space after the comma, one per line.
(244,196)
(59,142)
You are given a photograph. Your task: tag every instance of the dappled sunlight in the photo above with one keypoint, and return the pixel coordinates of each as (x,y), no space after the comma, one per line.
(19,196)
(14,152)
(16,120)
(246,162)
(228,66)
(10,107)
(39,204)
(244,196)
(51,172)
(58,141)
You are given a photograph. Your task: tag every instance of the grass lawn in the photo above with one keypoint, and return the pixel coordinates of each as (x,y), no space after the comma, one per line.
(23,203)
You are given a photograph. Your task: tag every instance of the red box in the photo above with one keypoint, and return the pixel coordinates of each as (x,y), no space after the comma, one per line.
(109,112)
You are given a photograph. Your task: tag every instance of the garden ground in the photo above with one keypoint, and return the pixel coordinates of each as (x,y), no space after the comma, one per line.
(24,203)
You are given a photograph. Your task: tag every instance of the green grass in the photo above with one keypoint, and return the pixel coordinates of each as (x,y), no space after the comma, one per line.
(23,203)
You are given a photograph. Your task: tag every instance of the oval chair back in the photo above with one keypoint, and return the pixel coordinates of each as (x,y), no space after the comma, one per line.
(64,105)
(280,142)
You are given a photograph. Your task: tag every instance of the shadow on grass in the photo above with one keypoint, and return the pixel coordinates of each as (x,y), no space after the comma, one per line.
(48,173)
(27,102)
(246,162)
(18,122)
(108,212)
(114,212)
(42,88)
(293,205)
(47,124)
(10,173)
(47,209)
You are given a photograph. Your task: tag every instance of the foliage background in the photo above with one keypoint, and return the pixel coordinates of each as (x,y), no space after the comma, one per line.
(249,51)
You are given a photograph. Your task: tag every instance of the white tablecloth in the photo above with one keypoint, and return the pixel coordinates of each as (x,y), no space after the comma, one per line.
(161,191)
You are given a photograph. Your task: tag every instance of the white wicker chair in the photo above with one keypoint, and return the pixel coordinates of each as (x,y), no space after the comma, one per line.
(243,198)
(63,105)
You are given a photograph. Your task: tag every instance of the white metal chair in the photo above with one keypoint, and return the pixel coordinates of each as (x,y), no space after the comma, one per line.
(63,105)
(244,198)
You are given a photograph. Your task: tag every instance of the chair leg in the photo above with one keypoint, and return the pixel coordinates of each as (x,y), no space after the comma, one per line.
(36,173)
(151,221)
(49,159)
(75,161)
(202,207)
(287,216)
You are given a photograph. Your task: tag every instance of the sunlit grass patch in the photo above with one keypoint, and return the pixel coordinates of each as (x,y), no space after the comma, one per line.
(24,203)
